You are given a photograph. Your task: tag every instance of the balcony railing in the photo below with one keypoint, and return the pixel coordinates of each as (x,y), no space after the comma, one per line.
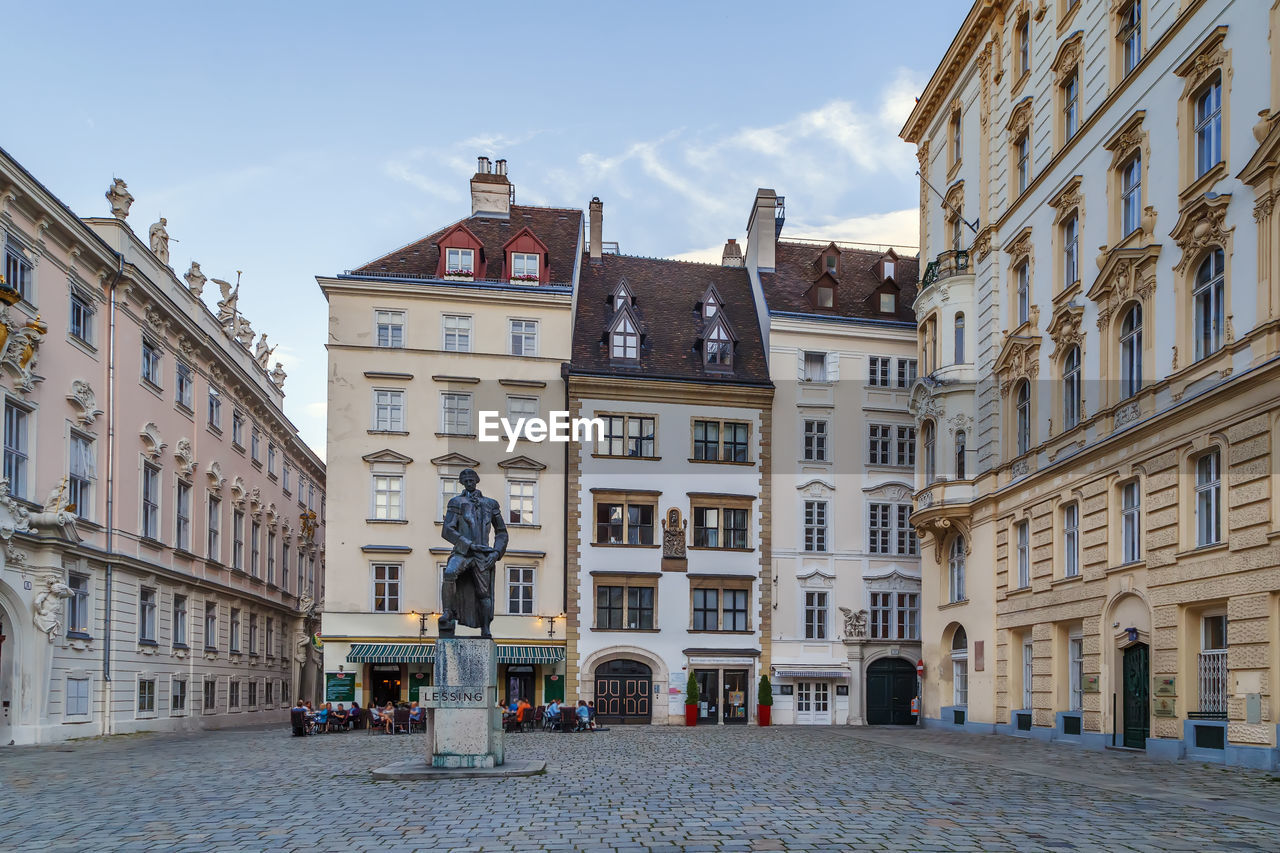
(954,262)
(1213,682)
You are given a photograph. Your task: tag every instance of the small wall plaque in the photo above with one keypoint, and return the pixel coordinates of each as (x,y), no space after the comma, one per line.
(1167,686)
(786,689)
(1164,707)
(842,690)
(1089,684)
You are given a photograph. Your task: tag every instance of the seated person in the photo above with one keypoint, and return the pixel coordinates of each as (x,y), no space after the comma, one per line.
(415,713)
(584,716)
(523,711)
(339,717)
(553,711)
(389,717)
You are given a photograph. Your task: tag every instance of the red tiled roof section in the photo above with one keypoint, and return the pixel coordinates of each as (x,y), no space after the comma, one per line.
(558,228)
(787,289)
(667,296)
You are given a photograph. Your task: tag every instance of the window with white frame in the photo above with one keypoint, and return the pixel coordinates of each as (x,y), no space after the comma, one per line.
(237,428)
(1022,42)
(270,646)
(459,261)
(151,362)
(271,556)
(449,488)
(524,267)
(455,413)
(889,529)
(521,502)
(1024,417)
(960,668)
(524,337)
(213,539)
(81,474)
(1070,230)
(1131,352)
(624,340)
(815,367)
(1070,106)
(1130,35)
(146,696)
(894,616)
(1213,664)
(237,540)
(271,458)
(1208,127)
(388,410)
(235,630)
(718,348)
(907,606)
(180,621)
(253,635)
(18,271)
(1028,672)
(960,458)
(386,587)
(81,320)
(1022,550)
(1022,279)
(1071,540)
(177,695)
(1208,297)
(1071,388)
(17,425)
(211,625)
(146,615)
(1130,195)
(815,526)
(879,444)
(881,615)
(815,615)
(1075,671)
(233,693)
(77,697)
(1208,499)
(1023,156)
(184,386)
(182,516)
(255,445)
(905,543)
(958,336)
(389,328)
(906,447)
(284,479)
(255,548)
(150,501)
(521,408)
(209,699)
(878,367)
(1130,522)
(457,333)
(815,440)
(955,574)
(78,605)
(930,452)
(388,497)
(284,564)
(520,590)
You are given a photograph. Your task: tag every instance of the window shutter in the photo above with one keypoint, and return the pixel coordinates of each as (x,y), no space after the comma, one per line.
(833,367)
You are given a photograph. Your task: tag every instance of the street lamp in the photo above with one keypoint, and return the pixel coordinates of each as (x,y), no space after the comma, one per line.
(424,619)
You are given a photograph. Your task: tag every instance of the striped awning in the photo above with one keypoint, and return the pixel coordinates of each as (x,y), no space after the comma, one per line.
(811,673)
(391,653)
(530,654)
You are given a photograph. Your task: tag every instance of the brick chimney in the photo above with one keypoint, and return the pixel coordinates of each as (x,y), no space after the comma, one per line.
(596,236)
(762,231)
(732,255)
(490,190)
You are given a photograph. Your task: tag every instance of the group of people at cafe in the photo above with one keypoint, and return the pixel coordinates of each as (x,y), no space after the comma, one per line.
(518,714)
(328,718)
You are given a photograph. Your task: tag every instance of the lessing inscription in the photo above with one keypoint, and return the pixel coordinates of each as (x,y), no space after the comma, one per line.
(454,697)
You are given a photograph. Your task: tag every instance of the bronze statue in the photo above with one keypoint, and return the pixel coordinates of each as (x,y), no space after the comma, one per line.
(468,586)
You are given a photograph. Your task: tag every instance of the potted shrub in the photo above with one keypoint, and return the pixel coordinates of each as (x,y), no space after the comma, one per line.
(691,698)
(764,700)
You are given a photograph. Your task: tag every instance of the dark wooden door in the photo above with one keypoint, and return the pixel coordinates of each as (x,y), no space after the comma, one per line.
(891,685)
(1137,681)
(624,691)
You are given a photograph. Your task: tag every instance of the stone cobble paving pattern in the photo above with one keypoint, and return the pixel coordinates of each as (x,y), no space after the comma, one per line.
(641,789)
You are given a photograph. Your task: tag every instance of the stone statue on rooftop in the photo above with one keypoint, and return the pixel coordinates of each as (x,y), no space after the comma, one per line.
(120,198)
(195,280)
(160,241)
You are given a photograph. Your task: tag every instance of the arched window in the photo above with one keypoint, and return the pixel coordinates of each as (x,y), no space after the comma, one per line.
(1024,417)
(956,573)
(960,454)
(1131,352)
(960,668)
(1208,298)
(1071,388)
(930,451)
(959,359)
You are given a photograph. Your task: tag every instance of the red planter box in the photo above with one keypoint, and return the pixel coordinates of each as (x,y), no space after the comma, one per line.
(764,713)
(690,715)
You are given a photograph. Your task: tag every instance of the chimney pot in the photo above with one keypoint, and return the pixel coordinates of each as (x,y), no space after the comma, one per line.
(732,255)
(499,167)
(482,165)
(596,241)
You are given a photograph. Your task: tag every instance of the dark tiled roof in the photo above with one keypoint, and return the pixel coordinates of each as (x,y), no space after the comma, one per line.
(787,289)
(558,228)
(667,296)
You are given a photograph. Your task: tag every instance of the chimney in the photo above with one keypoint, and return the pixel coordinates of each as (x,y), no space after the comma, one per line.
(490,189)
(732,255)
(762,231)
(597,230)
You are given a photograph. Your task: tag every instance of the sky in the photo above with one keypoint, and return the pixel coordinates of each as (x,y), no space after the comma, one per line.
(296,140)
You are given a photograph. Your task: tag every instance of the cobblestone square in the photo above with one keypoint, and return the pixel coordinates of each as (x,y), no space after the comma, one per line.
(743,789)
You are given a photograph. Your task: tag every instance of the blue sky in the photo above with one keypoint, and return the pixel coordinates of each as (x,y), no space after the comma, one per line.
(290,140)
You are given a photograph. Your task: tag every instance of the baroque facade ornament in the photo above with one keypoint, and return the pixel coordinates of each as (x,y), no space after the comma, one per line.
(47,608)
(855,623)
(238,491)
(982,244)
(1200,227)
(1019,359)
(195,279)
(20,349)
(14,518)
(185,457)
(83,398)
(152,445)
(1065,328)
(214,473)
(120,198)
(1020,119)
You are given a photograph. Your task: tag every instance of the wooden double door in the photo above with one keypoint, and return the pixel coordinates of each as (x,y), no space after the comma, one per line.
(624,692)
(891,685)
(1137,701)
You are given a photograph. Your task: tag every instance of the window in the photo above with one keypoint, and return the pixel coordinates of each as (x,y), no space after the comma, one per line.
(1075,671)
(82,471)
(721,441)
(1213,665)
(253,635)
(77,697)
(955,575)
(253,693)
(457,333)
(930,453)
(624,341)
(210,697)
(1130,196)
(522,408)
(717,609)
(1209,127)
(271,558)
(734,609)
(255,541)
(520,590)
(150,501)
(624,523)
(271,648)
(389,327)
(960,449)
(284,566)
(1131,352)
(146,696)
(271,458)
(78,605)
(627,435)
(957,140)
(889,529)
(908,616)
(824,294)
(449,488)
(1022,535)
(960,668)
(1024,417)
(151,363)
(455,414)
(235,630)
(1071,540)
(881,613)
(959,339)
(237,428)
(1071,105)
(721,527)
(184,386)
(146,615)
(815,615)
(815,367)
(1023,43)
(878,373)
(215,409)
(1023,153)
(269,687)
(388,411)
(1208,499)
(904,532)
(215,528)
(1070,251)
(624,607)
(182,517)
(237,540)
(815,440)
(524,337)
(706,609)
(1130,523)
(18,271)
(906,447)
(1022,277)
(815,526)
(284,479)
(524,267)
(1028,672)
(718,348)
(16,427)
(1208,296)
(388,497)
(906,372)
(879,444)
(1071,388)
(1130,35)
(81,324)
(233,694)
(459,261)
(180,620)
(521,502)
(255,445)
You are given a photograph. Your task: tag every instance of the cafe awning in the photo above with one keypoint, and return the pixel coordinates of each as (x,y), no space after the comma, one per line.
(426,653)
(811,673)
(530,654)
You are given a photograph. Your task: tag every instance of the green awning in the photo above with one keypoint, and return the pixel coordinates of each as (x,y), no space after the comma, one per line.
(391,653)
(530,654)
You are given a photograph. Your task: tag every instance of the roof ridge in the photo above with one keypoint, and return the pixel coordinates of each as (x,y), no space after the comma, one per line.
(671,260)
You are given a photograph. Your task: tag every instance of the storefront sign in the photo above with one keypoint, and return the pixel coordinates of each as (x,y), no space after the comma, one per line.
(1164,707)
(1167,686)
(339,686)
(1089,684)
(457,697)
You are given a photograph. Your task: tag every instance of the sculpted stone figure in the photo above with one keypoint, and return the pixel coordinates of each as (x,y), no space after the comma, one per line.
(262,352)
(195,279)
(160,241)
(48,607)
(118,195)
(227,304)
(278,375)
(469,575)
(855,624)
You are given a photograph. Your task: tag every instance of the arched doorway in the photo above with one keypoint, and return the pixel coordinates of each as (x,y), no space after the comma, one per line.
(891,685)
(624,691)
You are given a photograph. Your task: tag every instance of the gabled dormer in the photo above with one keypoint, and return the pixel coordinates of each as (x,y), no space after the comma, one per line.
(822,293)
(623,336)
(886,269)
(828,261)
(461,254)
(885,298)
(525,259)
(620,295)
(711,304)
(718,343)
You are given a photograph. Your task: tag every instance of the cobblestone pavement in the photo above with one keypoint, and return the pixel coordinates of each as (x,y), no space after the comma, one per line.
(731,789)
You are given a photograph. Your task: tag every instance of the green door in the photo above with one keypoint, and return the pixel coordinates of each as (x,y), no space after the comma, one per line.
(552,688)
(1137,682)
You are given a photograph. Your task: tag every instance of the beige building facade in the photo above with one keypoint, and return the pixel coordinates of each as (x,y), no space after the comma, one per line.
(1097,403)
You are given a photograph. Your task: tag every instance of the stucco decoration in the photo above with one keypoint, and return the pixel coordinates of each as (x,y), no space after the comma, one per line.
(159,237)
(1125,274)
(817,579)
(1064,329)
(890,492)
(1069,196)
(271,514)
(185,456)
(1200,227)
(982,244)
(195,279)
(152,445)
(238,491)
(120,198)
(1019,359)
(1020,119)
(307,528)
(278,376)
(57,512)
(83,398)
(14,518)
(255,497)
(855,623)
(214,473)
(1020,468)
(960,421)
(20,349)
(816,488)
(1068,57)
(47,608)
(1127,414)
(243,331)
(924,404)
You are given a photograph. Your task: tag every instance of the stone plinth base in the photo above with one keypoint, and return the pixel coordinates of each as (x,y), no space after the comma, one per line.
(417,769)
(466,737)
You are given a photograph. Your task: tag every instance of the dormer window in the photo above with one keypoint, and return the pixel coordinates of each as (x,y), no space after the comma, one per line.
(825,295)
(524,267)
(621,296)
(459,261)
(624,340)
(831,264)
(711,303)
(889,267)
(888,303)
(718,349)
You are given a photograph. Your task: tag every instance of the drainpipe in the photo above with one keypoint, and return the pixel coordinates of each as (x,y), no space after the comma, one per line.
(111,527)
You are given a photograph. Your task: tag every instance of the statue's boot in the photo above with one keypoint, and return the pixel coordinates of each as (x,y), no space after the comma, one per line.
(486,609)
(448,595)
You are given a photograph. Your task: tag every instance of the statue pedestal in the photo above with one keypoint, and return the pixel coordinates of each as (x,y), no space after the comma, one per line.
(466,724)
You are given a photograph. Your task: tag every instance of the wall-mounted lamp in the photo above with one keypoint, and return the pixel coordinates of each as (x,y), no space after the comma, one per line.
(1133,634)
